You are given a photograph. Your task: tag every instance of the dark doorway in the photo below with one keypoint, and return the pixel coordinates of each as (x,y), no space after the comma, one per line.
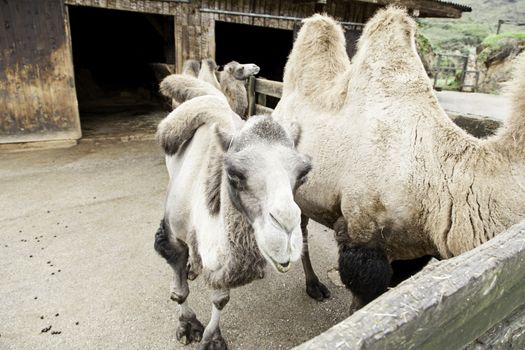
(352,35)
(266,47)
(113,53)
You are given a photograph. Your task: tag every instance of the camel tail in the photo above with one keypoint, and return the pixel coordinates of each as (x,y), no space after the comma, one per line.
(180,125)
(182,87)
(512,135)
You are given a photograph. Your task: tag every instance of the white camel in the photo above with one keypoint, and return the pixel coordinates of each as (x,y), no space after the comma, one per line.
(230,206)
(392,174)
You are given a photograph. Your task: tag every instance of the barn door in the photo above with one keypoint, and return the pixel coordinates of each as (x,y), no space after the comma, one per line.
(37,89)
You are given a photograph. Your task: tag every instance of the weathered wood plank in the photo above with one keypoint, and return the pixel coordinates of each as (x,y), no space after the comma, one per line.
(262,110)
(251,96)
(144,6)
(507,334)
(269,87)
(37,91)
(445,306)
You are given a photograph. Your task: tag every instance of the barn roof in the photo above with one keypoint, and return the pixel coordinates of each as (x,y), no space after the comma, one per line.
(427,8)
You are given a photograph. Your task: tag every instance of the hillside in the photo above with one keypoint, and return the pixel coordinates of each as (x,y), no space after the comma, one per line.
(473,27)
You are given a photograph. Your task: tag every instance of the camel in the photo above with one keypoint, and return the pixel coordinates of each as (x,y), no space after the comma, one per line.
(230,206)
(392,174)
(233,80)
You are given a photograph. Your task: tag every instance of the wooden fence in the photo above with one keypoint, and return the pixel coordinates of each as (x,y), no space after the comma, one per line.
(451,304)
(258,90)
(473,301)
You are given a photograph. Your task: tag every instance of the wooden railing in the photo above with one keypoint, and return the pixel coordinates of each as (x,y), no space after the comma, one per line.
(258,90)
(473,301)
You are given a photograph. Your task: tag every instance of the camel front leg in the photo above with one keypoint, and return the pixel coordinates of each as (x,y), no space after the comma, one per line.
(175,252)
(212,338)
(363,264)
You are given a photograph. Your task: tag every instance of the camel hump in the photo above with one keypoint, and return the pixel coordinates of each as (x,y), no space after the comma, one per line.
(207,72)
(318,63)
(392,20)
(191,67)
(182,87)
(322,25)
(512,135)
(180,125)
(517,87)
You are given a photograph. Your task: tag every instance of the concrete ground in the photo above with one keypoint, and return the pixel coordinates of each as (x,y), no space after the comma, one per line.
(77,260)
(496,107)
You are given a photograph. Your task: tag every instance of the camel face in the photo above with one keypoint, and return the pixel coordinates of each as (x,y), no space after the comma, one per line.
(263,170)
(241,71)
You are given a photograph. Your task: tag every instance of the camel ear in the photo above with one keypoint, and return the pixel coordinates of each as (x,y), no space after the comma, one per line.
(222,137)
(295,133)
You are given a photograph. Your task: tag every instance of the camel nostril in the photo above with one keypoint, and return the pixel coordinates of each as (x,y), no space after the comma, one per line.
(285,264)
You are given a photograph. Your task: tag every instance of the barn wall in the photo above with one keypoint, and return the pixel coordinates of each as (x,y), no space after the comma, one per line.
(37,90)
(195,22)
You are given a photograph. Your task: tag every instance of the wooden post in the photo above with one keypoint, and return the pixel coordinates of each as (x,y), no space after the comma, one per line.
(464,73)
(500,22)
(251,96)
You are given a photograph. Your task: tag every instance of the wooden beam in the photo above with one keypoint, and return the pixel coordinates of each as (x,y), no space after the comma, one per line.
(269,87)
(262,110)
(143,6)
(447,305)
(251,95)
(427,8)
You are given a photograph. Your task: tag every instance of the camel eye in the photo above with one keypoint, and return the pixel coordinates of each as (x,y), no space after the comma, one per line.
(301,177)
(236,178)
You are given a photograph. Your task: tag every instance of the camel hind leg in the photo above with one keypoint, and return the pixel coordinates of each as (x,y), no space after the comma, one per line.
(175,252)
(314,288)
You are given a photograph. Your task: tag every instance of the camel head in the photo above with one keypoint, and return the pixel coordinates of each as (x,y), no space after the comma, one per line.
(263,169)
(241,71)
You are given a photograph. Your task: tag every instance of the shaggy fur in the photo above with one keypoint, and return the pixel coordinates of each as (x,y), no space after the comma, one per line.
(405,179)
(180,126)
(319,36)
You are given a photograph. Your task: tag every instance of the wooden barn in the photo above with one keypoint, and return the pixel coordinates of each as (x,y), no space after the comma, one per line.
(67,63)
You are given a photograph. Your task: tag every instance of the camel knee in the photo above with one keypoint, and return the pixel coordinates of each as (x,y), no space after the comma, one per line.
(220,298)
(175,253)
(364,270)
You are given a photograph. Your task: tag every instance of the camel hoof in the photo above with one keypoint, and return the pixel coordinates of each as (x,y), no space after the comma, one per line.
(215,342)
(189,331)
(318,291)
(177,297)
(192,271)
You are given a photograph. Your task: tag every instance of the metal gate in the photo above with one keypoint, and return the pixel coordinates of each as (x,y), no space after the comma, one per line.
(451,72)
